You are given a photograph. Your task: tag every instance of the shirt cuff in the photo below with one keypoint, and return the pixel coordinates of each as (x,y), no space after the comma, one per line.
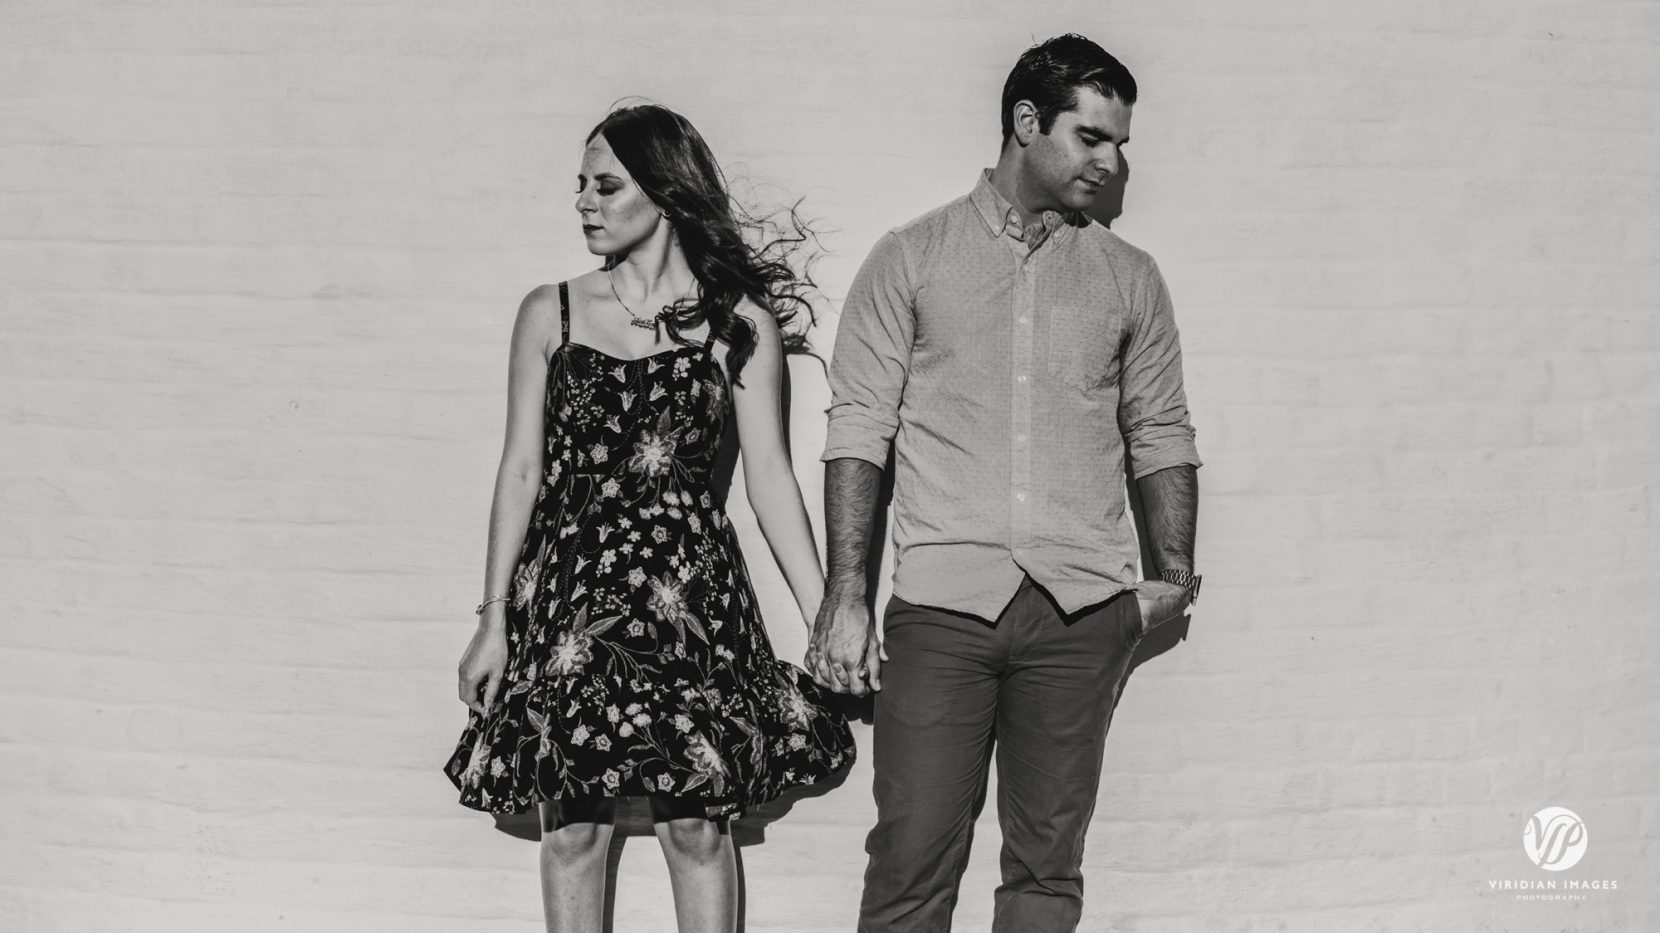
(855,453)
(853,436)
(1160,450)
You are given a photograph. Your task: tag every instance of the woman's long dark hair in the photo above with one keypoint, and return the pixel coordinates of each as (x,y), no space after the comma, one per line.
(734,254)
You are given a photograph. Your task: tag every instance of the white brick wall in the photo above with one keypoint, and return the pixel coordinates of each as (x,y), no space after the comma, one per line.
(259,265)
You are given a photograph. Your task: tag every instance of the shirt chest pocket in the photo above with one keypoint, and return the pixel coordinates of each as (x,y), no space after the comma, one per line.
(1083,347)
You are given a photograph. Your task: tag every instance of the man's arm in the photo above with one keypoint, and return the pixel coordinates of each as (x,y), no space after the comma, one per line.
(1170,501)
(1158,442)
(851,488)
(867,377)
(1170,504)
(844,639)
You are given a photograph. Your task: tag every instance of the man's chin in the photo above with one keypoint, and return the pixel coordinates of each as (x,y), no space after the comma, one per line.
(1080,204)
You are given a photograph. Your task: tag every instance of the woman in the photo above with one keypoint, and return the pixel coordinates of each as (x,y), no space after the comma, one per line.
(621,653)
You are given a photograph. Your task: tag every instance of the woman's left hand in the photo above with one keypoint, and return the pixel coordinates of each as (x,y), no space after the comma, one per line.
(483,665)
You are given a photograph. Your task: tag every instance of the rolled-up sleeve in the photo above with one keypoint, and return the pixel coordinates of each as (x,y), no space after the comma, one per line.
(1152,409)
(869,365)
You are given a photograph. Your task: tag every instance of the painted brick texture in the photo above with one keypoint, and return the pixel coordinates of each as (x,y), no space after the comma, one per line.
(260,261)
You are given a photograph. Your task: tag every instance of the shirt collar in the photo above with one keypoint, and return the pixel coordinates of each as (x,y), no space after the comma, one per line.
(1000,216)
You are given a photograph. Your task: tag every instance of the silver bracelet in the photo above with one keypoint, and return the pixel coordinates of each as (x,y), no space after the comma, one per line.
(494,599)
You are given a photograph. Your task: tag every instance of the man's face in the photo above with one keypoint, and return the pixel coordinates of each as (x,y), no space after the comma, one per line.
(1072,162)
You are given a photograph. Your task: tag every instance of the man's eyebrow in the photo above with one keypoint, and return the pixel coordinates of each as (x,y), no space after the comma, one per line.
(1099,133)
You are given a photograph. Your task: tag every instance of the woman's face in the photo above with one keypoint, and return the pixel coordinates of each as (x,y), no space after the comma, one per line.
(616,215)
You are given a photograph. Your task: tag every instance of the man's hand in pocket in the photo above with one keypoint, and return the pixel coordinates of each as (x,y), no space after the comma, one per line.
(1160,602)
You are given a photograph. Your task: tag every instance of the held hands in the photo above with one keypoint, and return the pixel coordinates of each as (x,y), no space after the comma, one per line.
(846,653)
(484,663)
(1160,602)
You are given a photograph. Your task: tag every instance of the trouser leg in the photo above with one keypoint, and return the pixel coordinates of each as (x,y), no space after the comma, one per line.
(1053,709)
(932,743)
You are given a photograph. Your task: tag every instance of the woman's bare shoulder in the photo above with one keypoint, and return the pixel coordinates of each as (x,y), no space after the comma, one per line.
(590,286)
(537,324)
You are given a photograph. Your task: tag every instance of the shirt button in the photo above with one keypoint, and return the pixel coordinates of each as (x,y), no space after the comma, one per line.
(1021,438)
(1025,320)
(1020,378)
(1020,497)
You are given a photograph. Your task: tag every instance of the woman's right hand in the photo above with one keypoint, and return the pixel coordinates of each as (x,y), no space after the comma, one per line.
(484,663)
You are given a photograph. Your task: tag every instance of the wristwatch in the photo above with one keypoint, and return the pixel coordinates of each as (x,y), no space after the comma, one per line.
(1185,579)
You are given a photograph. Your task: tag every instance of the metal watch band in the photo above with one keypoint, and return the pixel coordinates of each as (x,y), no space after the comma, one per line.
(1185,579)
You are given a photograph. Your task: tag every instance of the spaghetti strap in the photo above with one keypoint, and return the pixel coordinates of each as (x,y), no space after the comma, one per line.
(564,313)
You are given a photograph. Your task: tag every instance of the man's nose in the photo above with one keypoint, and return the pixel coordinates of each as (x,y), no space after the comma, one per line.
(1108,161)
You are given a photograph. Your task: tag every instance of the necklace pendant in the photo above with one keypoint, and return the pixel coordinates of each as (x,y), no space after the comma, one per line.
(644,323)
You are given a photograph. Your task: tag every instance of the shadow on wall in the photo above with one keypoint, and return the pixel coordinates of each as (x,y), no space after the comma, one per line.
(1109,204)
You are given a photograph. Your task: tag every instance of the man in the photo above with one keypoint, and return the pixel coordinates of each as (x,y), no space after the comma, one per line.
(1014,353)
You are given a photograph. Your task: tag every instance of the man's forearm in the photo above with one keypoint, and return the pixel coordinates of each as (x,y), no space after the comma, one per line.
(851,488)
(1170,502)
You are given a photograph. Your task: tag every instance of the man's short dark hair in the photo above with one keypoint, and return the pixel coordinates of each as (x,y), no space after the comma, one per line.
(1049,74)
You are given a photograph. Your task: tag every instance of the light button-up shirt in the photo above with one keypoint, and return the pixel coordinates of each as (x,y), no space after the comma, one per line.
(1014,371)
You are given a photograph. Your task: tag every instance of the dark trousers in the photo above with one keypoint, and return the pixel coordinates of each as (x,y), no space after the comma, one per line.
(1038,686)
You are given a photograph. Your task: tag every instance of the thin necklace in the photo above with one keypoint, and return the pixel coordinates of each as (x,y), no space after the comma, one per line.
(646,323)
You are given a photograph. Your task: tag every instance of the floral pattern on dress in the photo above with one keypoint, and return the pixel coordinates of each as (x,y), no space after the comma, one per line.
(637,659)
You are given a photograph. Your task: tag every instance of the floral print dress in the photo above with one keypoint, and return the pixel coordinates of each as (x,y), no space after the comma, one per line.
(637,661)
